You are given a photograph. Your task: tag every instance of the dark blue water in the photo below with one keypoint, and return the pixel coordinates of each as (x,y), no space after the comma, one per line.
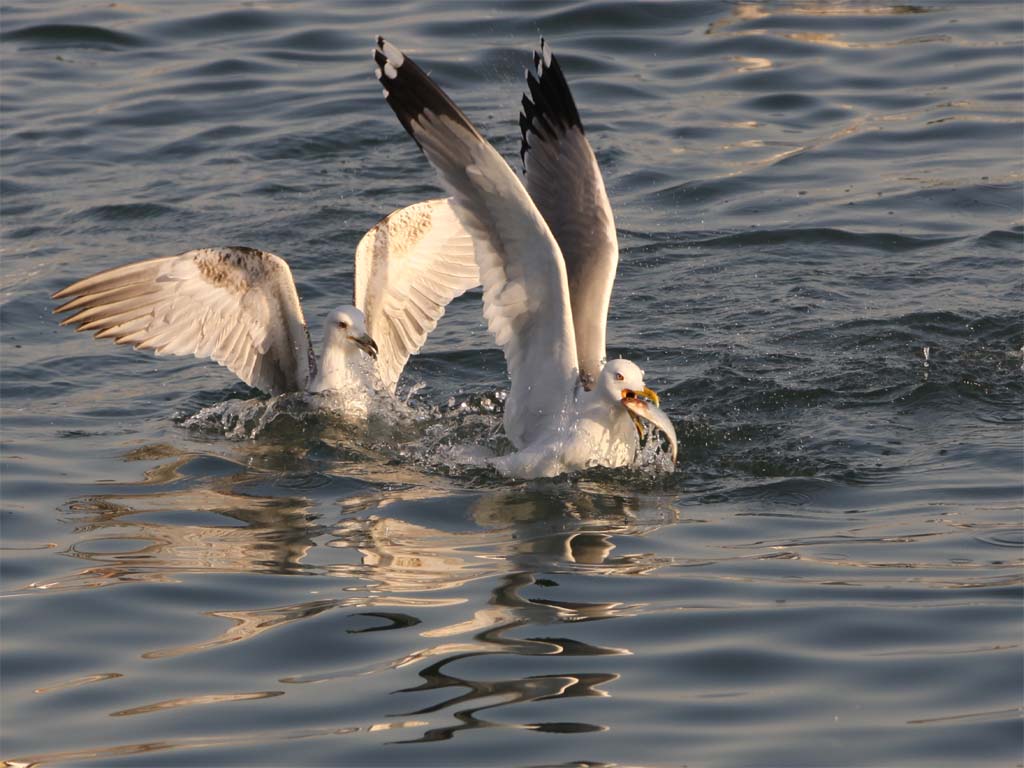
(809,196)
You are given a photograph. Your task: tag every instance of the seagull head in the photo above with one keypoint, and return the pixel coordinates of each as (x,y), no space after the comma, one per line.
(622,381)
(346,326)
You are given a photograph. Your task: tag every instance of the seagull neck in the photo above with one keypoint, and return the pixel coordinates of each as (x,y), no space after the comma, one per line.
(596,405)
(341,366)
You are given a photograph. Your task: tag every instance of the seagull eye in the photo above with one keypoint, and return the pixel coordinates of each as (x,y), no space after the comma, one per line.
(619,377)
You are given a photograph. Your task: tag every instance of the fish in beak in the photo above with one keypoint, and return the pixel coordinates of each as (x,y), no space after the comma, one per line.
(643,406)
(368,345)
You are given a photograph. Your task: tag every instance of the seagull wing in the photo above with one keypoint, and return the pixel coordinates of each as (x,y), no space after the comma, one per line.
(526,296)
(409,266)
(564,180)
(235,305)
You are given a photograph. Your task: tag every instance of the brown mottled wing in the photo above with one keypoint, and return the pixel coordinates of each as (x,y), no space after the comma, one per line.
(409,266)
(564,181)
(235,305)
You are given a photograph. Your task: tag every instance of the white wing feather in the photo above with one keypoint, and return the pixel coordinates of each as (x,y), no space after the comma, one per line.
(526,296)
(409,266)
(564,180)
(235,305)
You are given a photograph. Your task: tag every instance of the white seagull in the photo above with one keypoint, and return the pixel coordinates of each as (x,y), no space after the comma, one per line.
(547,255)
(240,307)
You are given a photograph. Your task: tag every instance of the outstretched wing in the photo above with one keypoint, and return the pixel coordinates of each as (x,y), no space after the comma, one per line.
(235,305)
(409,266)
(526,297)
(564,180)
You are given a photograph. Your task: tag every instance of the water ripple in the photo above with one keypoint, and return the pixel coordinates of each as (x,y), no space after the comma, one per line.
(819,207)
(73,36)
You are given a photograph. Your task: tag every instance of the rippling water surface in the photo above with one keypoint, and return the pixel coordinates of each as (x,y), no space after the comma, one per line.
(820,213)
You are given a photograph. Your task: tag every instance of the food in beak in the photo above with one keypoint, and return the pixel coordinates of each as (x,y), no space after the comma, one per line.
(640,408)
(368,345)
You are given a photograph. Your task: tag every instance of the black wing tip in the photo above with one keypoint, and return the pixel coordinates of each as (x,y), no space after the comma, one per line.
(409,91)
(380,59)
(548,106)
(555,87)
(386,71)
(524,128)
(542,56)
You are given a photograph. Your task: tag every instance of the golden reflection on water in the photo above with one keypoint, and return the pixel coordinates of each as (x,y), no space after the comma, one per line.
(275,537)
(78,681)
(749,12)
(400,572)
(751,63)
(247,625)
(191,701)
(265,736)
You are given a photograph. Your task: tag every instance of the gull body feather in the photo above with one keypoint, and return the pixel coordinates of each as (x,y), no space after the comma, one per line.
(557,421)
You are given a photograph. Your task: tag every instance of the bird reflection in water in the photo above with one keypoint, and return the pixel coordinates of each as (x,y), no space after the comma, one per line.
(465,587)
(127,537)
(510,611)
(520,535)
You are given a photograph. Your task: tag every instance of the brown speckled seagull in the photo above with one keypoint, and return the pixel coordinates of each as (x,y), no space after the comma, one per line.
(239,306)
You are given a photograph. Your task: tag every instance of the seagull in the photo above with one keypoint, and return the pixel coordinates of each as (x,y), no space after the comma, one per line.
(547,255)
(240,307)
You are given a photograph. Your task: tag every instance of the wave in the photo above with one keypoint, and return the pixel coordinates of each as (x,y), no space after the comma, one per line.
(881,241)
(73,36)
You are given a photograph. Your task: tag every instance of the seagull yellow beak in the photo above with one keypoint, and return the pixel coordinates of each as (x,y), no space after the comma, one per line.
(647,392)
(643,405)
(651,395)
(368,345)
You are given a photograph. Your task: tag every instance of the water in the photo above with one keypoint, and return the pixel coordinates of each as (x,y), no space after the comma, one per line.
(808,196)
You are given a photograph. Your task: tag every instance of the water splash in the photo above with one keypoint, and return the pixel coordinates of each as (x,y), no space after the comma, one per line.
(302,413)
